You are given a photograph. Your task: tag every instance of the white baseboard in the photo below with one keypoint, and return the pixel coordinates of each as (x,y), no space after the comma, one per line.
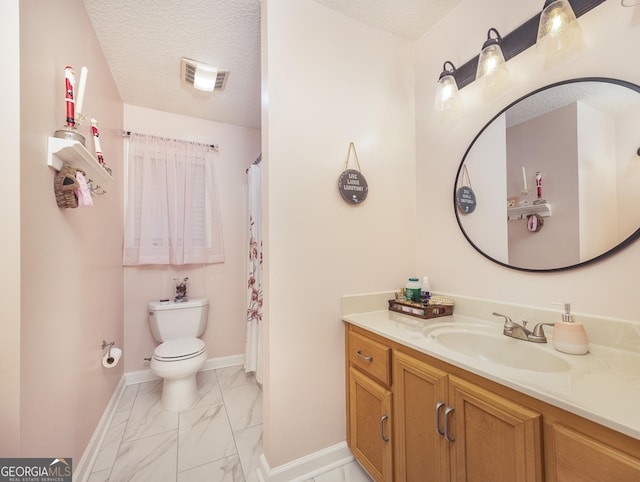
(82,471)
(306,467)
(223,362)
(211,364)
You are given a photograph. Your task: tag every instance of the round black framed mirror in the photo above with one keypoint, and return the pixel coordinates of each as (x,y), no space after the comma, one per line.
(556,175)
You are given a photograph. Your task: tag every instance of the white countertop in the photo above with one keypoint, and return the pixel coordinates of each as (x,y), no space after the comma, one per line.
(602,386)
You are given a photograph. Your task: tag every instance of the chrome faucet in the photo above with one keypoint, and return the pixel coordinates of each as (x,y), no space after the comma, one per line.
(521,332)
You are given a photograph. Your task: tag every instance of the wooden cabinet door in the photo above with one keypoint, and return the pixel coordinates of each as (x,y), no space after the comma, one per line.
(370,426)
(496,439)
(420,451)
(572,456)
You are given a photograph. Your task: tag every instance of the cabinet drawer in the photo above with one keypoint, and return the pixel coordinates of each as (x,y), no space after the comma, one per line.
(371,357)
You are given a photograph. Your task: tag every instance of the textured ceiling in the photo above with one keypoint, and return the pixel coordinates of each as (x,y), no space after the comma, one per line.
(144,40)
(615,100)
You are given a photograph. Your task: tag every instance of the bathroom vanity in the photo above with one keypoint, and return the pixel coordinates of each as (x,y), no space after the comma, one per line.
(418,410)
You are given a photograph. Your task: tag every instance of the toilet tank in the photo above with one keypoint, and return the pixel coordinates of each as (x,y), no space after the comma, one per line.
(170,320)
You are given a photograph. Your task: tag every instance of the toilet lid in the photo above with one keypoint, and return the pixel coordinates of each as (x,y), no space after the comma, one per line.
(180,348)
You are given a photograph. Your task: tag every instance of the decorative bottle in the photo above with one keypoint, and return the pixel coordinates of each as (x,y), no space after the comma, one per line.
(413,289)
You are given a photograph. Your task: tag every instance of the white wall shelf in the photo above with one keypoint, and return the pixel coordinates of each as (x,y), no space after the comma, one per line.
(76,155)
(521,212)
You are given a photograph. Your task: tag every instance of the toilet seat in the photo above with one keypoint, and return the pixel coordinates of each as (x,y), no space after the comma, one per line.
(178,350)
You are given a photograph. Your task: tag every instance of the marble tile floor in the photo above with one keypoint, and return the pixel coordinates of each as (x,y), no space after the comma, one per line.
(351,472)
(218,439)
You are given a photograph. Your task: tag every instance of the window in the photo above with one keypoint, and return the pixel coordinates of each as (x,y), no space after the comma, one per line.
(172,214)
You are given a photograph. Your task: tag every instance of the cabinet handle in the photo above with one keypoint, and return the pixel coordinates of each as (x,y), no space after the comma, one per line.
(365,358)
(448,411)
(439,405)
(382,435)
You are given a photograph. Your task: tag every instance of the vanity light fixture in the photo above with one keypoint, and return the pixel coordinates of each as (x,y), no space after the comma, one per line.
(558,28)
(522,38)
(447,95)
(492,68)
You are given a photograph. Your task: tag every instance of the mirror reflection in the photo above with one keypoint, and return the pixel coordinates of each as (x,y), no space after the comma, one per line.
(556,177)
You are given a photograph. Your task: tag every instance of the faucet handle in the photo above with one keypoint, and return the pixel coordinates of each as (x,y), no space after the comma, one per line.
(508,323)
(538,331)
(538,335)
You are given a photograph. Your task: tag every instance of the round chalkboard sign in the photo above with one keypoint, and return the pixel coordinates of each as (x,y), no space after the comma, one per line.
(353,186)
(466,200)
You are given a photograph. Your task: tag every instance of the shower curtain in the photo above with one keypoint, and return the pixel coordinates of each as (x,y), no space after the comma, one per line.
(253,340)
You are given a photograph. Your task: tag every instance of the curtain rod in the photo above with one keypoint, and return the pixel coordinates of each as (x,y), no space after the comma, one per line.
(128,134)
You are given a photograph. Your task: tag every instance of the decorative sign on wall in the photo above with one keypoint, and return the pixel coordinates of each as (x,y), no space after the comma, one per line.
(465,197)
(352,184)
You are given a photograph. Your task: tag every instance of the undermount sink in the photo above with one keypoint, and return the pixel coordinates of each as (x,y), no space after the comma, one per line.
(497,348)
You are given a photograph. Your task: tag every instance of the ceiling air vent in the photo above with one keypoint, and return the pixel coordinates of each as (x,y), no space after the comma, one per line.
(202,76)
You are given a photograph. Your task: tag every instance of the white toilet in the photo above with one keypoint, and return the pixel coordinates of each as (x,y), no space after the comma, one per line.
(181,354)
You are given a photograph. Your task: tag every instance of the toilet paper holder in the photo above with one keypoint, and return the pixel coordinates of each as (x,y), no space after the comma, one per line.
(110,345)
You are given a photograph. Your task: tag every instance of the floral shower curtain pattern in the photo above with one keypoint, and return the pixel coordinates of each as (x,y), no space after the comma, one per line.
(253,341)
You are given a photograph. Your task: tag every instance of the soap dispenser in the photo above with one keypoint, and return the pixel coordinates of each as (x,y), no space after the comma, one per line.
(569,336)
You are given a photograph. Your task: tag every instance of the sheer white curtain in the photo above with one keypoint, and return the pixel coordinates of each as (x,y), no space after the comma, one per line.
(253,341)
(172,214)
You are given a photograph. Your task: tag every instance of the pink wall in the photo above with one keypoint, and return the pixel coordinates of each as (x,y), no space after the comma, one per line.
(224,284)
(72,281)
(537,145)
(444,139)
(331,80)
(10,239)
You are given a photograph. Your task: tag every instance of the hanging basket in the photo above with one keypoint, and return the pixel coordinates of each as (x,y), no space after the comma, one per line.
(64,185)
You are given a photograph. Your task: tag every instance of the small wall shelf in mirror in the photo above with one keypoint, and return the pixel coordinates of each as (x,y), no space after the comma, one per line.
(521,212)
(76,155)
